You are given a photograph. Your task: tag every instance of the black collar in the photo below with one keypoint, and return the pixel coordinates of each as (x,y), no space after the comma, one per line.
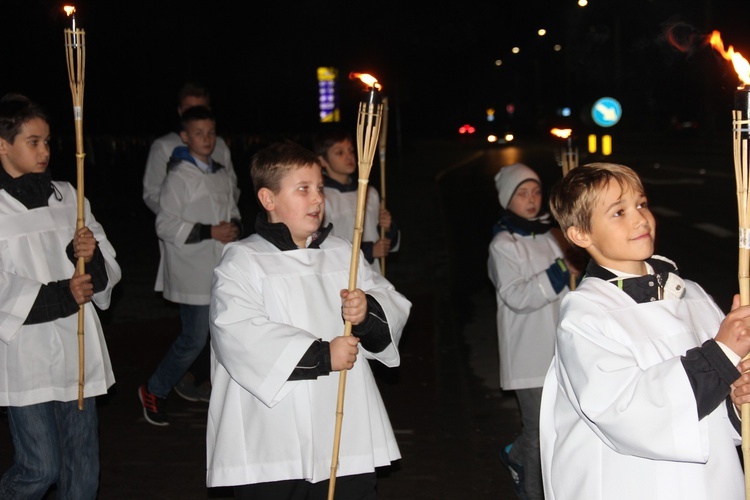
(278,233)
(344,188)
(641,289)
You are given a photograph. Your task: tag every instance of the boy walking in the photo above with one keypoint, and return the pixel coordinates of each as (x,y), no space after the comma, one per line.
(635,404)
(336,154)
(195,385)
(530,274)
(40,291)
(198,215)
(278,306)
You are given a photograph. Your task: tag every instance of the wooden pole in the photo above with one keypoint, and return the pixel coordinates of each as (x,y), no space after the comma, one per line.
(368,127)
(75,45)
(381,146)
(740,129)
(569,162)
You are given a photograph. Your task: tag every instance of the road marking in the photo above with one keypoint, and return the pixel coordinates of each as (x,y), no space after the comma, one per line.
(666,212)
(719,231)
(458,164)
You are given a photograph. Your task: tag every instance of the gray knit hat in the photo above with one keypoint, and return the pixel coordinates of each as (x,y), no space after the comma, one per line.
(509,178)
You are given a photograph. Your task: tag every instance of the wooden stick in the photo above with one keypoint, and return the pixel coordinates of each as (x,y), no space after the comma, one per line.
(569,162)
(740,125)
(75,45)
(368,127)
(381,145)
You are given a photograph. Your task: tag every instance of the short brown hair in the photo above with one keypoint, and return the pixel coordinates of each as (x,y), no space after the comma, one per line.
(271,164)
(192,89)
(16,110)
(572,198)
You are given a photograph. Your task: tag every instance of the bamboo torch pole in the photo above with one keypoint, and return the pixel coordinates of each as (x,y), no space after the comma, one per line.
(741,132)
(569,160)
(75,52)
(368,127)
(381,147)
(740,136)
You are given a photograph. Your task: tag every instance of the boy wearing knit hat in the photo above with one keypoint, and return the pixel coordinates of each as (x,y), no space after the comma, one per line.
(530,272)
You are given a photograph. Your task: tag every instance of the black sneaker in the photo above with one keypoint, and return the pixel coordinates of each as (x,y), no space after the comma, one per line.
(153,407)
(516,472)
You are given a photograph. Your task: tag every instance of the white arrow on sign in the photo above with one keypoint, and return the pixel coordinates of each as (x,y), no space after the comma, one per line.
(608,113)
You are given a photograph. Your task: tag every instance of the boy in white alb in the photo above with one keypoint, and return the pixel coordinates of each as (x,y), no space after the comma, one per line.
(41,291)
(278,306)
(336,154)
(195,385)
(198,215)
(636,402)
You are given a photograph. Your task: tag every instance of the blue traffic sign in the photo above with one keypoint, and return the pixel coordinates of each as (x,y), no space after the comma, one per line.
(606,111)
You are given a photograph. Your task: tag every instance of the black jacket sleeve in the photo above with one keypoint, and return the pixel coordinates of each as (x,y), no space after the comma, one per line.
(315,362)
(97,268)
(54,301)
(374,333)
(711,374)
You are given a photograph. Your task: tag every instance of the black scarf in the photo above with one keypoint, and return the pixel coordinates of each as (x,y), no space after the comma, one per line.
(33,190)
(524,227)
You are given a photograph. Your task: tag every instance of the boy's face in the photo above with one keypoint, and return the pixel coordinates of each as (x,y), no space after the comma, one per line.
(200,138)
(527,200)
(623,230)
(299,204)
(29,152)
(340,161)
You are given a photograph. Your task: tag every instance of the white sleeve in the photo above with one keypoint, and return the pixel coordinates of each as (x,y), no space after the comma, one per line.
(156,171)
(171,227)
(520,288)
(114,273)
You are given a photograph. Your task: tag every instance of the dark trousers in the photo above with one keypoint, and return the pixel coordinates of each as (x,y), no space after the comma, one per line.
(357,487)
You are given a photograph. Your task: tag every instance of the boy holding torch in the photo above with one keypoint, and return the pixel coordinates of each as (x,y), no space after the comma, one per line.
(335,151)
(636,403)
(278,304)
(40,292)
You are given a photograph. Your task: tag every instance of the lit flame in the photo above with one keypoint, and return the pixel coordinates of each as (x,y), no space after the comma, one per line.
(741,66)
(367,79)
(562,133)
(69,10)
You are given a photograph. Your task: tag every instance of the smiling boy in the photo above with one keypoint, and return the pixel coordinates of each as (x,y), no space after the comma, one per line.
(278,306)
(636,402)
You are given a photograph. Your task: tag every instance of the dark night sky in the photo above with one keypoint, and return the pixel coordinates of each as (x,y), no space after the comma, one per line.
(435,63)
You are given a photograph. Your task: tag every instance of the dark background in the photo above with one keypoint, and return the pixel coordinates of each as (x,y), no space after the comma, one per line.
(436,63)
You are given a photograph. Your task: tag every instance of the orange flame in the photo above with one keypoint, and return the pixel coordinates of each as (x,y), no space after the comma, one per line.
(562,133)
(741,66)
(69,10)
(367,79)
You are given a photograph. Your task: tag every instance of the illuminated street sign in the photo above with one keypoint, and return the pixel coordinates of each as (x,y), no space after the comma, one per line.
(606,112)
